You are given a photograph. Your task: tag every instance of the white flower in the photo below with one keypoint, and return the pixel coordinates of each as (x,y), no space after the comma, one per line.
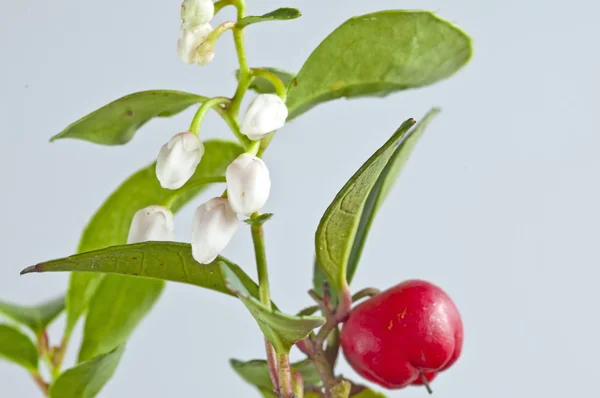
(205,54)
(213,227)
(190,40)
(197,12)
(178,159)
(266,113)
(153,223)
(248,184)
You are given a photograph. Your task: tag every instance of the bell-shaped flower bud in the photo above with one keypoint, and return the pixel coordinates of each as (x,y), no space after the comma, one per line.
(190,40)
(178,159)
(197,12)
(266,113)
(213,227)
(153,223)
(248,184)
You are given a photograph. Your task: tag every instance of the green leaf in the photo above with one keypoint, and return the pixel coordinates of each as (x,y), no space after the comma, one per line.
(117,122)
(382,187)
(339,225)
(110,225)
(280,329)
(35,317)
(87,379)
(281,14)
(256,372)
(263,86)
(18,348)
(168,261)
(117,308)
(368,393)
(378,54)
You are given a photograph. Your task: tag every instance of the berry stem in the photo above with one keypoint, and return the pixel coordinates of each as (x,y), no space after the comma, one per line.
(367,292)
(425,382)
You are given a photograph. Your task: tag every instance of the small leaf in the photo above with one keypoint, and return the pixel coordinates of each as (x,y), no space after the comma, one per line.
(338,227)
(341,389)
(110,225)
(380,190)
(168,261)
(281,14)
(117,308)
(378,54)
(368,393)
(117,122)
(35,317)
(280,329)
(263,86)
(260,220)
(18,348)
(256,372)
(87,379)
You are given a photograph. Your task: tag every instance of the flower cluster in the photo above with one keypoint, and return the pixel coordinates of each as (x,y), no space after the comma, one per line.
(247,177)
(192,46)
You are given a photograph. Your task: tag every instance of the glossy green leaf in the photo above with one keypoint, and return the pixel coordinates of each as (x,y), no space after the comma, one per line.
(368,393)
(167,261)
(256,372)
(117,122)
(17,347)
(35,317)
(380,190)
(339,225)
(110,225)
(263,86)
(377,54)
(281,14)
(117,308)
(87,379)
(280,329)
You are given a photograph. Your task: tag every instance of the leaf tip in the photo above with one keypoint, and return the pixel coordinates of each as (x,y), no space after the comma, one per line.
(32,269)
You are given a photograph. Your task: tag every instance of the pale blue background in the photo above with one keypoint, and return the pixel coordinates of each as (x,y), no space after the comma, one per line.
(499,204)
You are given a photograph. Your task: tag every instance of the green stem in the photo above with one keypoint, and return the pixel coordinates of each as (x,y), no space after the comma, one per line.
(284,375)
(39,381)
(277,83)
(261,263)
(253,148)
(245,76)
(203,110)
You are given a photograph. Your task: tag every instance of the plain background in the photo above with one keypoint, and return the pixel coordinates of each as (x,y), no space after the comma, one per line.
(498,205)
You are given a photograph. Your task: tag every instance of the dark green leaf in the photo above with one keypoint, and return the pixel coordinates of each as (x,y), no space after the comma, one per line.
(338,227)
(263,86)
(117,122)
(87,379)
(380,190)
(35,317)
(17,347)
(169,261)
(280,329)
(110,225)
(260,220)
(256,372)
(368,393)
(117,308)
(281,14)
(377,54)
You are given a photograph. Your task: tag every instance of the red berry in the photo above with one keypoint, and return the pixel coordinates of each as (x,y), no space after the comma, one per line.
(411,328)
